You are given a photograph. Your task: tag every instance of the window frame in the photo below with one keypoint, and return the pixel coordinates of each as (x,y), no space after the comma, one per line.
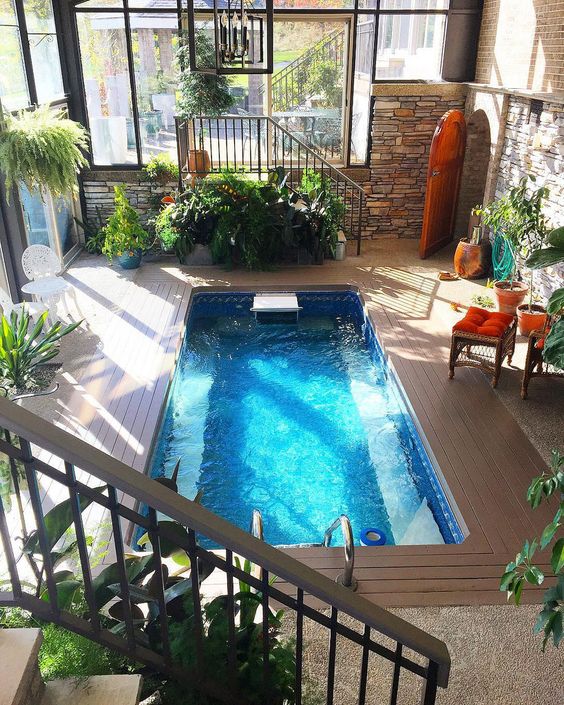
(354,12)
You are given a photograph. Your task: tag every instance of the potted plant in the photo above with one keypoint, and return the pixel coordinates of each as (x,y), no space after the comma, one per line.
(472,257)
(125,238)
(42,149)
(553,344)
(517,216)
(200,94)
(160,169)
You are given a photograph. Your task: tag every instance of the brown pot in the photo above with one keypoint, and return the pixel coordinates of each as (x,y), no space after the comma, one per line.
(199,164)
(510,295)
(530,319)
(472,261)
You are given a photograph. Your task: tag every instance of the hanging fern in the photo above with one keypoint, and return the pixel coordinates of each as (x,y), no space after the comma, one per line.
(42,149)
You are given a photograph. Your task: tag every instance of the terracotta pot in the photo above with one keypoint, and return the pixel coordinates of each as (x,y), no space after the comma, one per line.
(472,261)
(199,163)
(509,296)
(530,320)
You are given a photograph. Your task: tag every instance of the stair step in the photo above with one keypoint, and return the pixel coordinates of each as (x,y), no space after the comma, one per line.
(19,670)
(96,690)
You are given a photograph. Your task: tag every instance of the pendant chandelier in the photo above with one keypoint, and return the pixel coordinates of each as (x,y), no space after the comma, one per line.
(241,32)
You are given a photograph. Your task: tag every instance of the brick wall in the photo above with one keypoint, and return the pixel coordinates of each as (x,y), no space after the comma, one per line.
(99,191)
(521,44)
(405,117)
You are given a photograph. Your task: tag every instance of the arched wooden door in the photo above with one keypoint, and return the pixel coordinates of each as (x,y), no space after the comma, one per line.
(446,160)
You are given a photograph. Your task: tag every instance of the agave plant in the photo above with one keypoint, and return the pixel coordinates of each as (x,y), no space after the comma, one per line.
(22,351)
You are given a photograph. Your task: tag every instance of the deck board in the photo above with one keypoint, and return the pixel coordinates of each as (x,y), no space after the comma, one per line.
(485,458)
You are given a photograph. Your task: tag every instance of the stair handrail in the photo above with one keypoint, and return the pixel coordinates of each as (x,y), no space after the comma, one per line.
(304,58)
(162,499)
(346,578)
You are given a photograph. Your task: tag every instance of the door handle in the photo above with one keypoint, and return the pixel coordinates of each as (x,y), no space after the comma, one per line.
(435,172)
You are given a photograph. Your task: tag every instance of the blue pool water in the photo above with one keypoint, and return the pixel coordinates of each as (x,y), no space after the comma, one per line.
(302,421)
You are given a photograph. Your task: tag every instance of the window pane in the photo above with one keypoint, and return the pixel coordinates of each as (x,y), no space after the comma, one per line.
(103,52)
(154,39)
(13,83)
(362,87)
(44,50)
(308,82)
(410,46)
(315,4)
(414,4)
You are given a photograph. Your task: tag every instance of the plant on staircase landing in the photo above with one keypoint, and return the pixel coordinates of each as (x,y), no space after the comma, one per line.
(125,238)
(200,94)
(43,149)
(522,570)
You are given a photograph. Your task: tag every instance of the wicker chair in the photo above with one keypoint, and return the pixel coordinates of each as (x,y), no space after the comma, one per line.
(483,339)
(535,366)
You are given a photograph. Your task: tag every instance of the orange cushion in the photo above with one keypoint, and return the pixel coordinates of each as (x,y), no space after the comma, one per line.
(483,322)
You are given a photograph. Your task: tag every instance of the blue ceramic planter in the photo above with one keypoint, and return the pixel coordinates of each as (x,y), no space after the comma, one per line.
(130,260)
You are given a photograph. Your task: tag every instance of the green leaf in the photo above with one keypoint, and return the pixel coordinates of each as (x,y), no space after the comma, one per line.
(557,558)
(553,350)
(534,576)
(548,533)
(57,521)
(556,302)
(110,575)
(545,258)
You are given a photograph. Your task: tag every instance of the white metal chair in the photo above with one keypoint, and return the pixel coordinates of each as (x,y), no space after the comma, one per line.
(33,308)
(42,267)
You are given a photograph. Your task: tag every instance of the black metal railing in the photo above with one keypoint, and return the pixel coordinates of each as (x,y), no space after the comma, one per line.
(290,84)
(256,144)
(125,603)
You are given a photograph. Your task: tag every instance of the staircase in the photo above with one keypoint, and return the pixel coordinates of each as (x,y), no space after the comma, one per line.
(22,684)
(102,491)
(289,83)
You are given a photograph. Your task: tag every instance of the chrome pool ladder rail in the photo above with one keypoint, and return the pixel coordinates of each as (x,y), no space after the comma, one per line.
(346,578)
(257,528)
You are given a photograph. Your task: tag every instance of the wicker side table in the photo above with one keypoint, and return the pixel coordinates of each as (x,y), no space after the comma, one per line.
(535,366)
(485,352)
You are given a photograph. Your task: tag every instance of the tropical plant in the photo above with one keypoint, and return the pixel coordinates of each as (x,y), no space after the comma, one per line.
(161,169)
(123,232)
(518,217)
(200,93)
(42,149)
(22,351)
(248,640)
(523,570)
(553,348)
(94,235)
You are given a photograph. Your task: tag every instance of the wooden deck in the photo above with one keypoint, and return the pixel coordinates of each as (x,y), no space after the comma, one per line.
(485,458)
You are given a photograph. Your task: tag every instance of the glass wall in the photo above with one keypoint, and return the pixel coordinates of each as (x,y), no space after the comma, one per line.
(154,40)
(30,68)
(127,54)
(14,93)
(105,69)
(44,50)
(409,46)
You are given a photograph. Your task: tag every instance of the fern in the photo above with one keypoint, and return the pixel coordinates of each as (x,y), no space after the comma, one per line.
(42,149)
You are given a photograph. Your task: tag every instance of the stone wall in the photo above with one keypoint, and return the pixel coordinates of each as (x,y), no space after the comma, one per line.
(405,117)
(534,144)
(521,44)
(99,191)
